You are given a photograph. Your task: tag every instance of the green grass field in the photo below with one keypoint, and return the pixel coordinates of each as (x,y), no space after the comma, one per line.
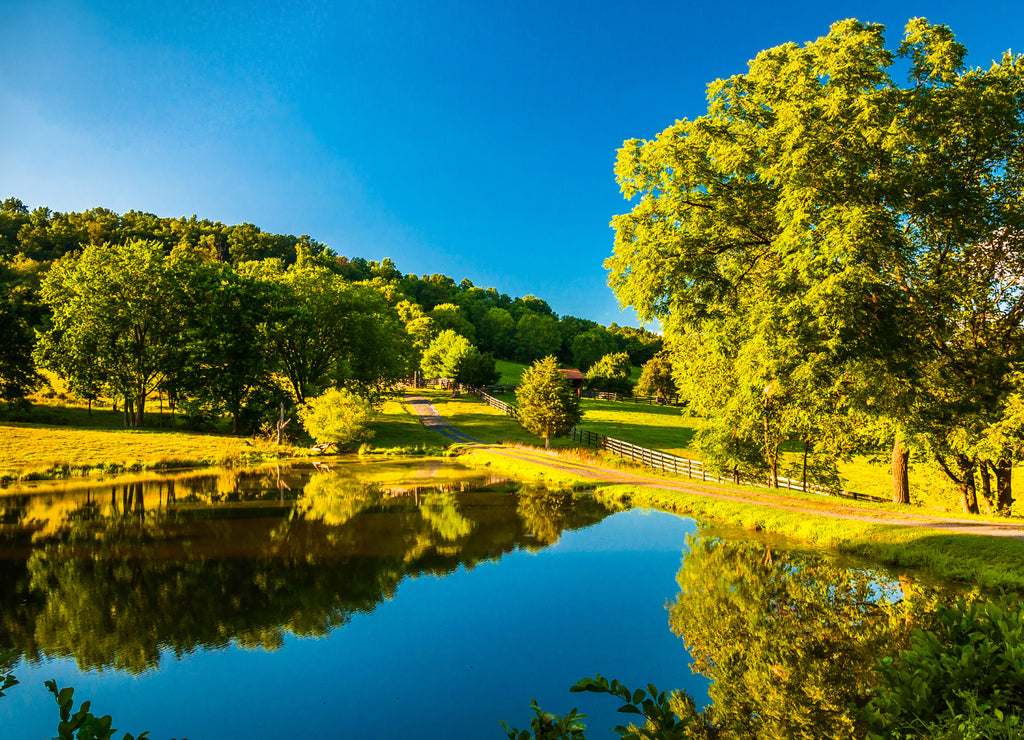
(511,372)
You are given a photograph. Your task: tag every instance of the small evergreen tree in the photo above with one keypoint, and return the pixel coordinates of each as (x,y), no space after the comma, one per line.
(547,406)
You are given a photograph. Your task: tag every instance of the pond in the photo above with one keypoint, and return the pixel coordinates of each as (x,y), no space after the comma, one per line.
(403,599)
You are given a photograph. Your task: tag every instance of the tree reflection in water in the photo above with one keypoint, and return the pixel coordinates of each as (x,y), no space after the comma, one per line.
(789,640)
(116,582)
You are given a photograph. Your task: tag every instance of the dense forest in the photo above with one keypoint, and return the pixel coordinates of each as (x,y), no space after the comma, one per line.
(232,320)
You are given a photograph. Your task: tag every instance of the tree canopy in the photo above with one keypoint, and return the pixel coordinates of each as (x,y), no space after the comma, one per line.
(823,231)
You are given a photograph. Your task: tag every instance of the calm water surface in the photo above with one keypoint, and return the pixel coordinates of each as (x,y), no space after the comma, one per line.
(417,599)
(377,600)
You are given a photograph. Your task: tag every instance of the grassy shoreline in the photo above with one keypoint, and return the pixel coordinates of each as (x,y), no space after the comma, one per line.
(992,563)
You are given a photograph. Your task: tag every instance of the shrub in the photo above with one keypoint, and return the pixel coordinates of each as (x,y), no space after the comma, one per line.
(337,417)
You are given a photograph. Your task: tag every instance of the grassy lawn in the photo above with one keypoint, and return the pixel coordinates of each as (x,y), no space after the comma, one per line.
(397,427)
(511,372)
(34,450)
(660,427)
(474,417)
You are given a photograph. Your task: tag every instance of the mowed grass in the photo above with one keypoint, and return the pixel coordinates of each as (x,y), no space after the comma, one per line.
(396,426)
(33,448)
(511,372)
(663,428)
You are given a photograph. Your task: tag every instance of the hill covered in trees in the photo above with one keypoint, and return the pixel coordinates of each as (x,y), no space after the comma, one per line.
(232,319)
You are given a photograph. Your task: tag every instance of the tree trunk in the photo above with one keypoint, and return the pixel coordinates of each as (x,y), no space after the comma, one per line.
(772,456)
(807,444)
(140,409)
(986,486)
(547,440)
(968,494)
(129,410)
(900,472)
(1004,486)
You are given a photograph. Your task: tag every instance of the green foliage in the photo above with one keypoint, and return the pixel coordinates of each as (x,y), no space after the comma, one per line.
(661,721)
(656,378)
(590,346)
(216,361)
(963,679)
(496,332)
(337,416)
(548,726)
(323,331)
(547,405)
(445,355)
(477,370)
(449,316)
(18,376)
(112,320)
(536,337)
(611,374)
(83,724)
(837,244)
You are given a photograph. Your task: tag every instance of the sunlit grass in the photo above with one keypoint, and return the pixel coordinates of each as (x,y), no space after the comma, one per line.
(396,426)
(672,430)
(511,372)
(470,415)
(29,450)
(663,428)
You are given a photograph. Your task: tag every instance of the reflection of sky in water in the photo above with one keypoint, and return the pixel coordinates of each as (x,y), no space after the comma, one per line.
(446,657)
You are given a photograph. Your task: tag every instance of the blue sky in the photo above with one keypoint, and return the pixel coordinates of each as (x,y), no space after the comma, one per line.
(467,138)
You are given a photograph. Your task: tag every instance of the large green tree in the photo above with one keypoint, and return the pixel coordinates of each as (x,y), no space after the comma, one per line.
(445,355)
(536,336)
(547,405)
(879,221)
(218,358)
(326,332)
(656,378)
(112,320)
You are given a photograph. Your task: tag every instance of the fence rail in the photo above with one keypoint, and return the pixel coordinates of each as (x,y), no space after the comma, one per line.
(691,468)
(505,408)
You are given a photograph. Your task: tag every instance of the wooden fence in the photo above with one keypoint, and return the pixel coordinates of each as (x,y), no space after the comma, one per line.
(667,462)
(497,403)
(691,468)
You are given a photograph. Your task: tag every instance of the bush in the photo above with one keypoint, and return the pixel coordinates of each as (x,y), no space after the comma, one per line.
(337,417)
(964,680)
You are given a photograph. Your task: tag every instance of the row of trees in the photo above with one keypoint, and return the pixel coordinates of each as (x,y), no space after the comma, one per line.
(128,320)
(210,315)
(522,329)
(836,258)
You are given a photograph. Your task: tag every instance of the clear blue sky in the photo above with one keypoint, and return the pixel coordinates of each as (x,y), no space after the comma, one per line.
(475,139)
